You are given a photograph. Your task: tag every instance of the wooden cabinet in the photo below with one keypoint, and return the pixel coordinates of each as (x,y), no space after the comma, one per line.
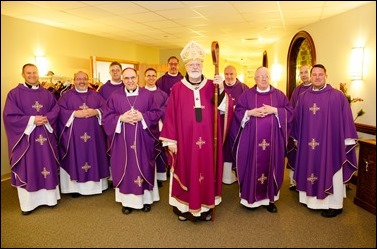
(366,176)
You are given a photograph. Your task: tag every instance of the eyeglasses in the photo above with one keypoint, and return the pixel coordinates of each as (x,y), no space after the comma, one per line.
(265,77)
(151,76)
(83,79)
(129,78)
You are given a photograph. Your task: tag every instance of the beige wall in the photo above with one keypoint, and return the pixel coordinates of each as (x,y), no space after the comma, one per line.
(334,38)
(66,52)
(69,51)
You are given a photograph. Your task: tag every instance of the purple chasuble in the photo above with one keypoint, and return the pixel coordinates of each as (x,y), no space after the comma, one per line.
(33,158)
(107,89)
(160,97)
(234,92)
(323,120)
(167,81)
(196,182)
(260,146)
(132,151)
(291,148)
(82,145)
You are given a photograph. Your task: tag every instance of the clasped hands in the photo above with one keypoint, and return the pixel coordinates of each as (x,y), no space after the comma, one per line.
(262,111)
(40,120)
(131,117)
(86,113)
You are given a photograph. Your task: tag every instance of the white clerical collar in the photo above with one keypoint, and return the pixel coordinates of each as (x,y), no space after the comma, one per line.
(263,91)
(151,88)
(319,89)
(306,84)
(81,91)
(132,92)
(231,84)
(173,74)
(116,83)
(32,86)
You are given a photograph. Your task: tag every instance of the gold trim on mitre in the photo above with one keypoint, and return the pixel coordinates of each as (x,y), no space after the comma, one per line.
(192,51)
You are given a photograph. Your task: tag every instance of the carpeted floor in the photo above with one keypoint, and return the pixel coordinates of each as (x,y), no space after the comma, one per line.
(97,221)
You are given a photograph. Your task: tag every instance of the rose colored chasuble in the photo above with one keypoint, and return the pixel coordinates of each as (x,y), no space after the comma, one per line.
(189,121)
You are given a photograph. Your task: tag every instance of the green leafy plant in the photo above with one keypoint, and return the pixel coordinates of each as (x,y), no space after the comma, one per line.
(344,89)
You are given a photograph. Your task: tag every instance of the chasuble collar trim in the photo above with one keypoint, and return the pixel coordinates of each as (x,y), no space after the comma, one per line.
(307,84)
(319,89)
(151,88)
(116,83)
(83,91)
(31,86)
(264,91)
(194,87)
(132,92)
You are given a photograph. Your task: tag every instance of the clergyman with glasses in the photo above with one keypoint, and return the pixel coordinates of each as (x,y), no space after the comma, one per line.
(82,141)
(261,124)
(131,112)
(172,76)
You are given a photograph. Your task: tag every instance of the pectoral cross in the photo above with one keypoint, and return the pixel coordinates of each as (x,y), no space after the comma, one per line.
(83,106)
(133,111)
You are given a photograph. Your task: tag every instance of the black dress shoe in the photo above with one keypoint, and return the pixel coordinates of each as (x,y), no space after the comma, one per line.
(75,195)
(159,184)
(292,187)
(272,208)
(329,213)
(110,184)
(126,210)
(206,216)
(147,208)
(26,212)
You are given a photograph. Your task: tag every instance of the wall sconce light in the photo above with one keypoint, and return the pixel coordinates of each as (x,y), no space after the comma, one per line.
(276,72)
(42,64)
(357,62)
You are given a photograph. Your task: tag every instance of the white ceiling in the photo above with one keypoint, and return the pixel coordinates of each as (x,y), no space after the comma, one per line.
(243,29)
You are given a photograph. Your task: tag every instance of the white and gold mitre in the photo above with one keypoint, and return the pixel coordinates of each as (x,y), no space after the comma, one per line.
(192,51)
